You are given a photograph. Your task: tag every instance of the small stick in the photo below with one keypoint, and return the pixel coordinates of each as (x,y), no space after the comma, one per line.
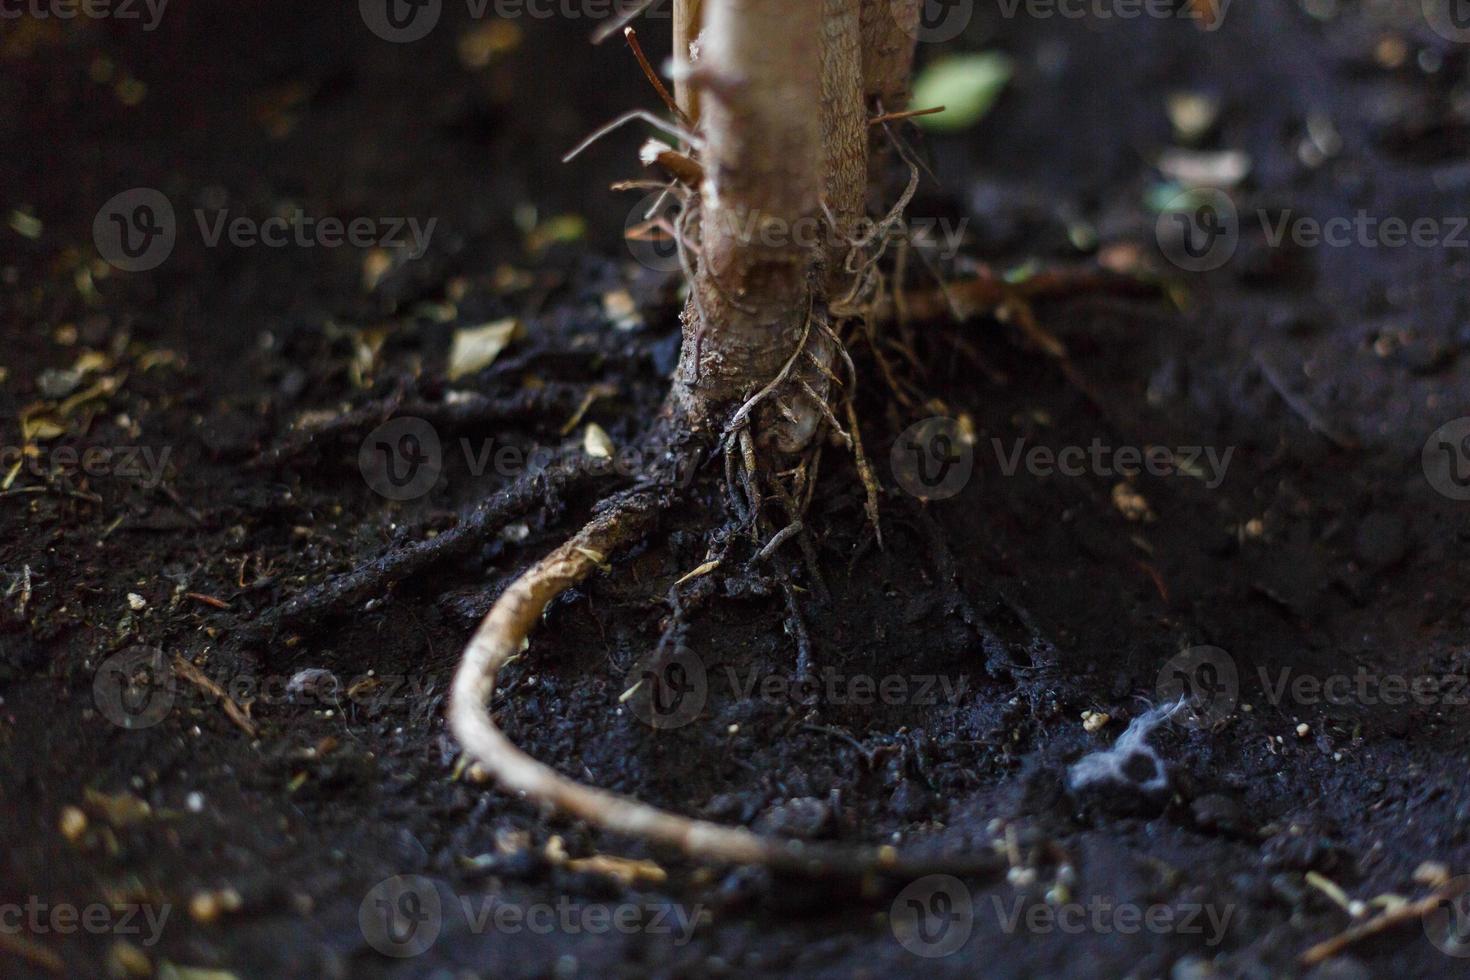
(199,679)
(906,114)
(1408,912)
(658,86)
(623,120)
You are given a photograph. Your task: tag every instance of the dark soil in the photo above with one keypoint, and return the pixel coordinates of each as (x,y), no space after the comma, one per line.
(1325,550)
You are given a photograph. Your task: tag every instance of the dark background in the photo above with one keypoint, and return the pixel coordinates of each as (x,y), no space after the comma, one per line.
(1326,369)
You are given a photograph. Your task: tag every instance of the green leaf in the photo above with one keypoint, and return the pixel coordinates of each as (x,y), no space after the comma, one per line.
(966,85)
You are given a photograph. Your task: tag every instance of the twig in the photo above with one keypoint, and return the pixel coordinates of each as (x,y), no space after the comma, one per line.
(1408,912)
(201,680)
(623,120)
(658,86)
(907,114)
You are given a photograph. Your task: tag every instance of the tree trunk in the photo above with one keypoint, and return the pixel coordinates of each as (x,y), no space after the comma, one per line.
(781,90)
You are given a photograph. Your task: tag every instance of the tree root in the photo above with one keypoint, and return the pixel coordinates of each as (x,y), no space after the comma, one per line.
(501,637)
(336,596)
(459,410)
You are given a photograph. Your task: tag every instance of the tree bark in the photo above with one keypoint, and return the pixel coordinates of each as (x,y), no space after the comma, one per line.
(760,76)
(688,21)
(782,90)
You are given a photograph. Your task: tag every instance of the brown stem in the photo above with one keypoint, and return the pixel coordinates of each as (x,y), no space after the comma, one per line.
(688,15)
(763,150)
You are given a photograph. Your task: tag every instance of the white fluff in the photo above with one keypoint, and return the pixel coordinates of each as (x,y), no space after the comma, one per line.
(1108,765)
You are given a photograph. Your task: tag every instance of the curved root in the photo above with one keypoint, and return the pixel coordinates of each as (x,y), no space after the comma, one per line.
(501,636)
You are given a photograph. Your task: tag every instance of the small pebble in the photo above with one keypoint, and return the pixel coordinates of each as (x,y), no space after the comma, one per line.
(73,823)
(1021,877)
(136,602)
(1302,730)
(206,907)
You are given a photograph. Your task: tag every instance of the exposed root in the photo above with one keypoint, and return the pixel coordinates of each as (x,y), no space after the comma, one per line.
(459,410)
(500,638)
(338,595)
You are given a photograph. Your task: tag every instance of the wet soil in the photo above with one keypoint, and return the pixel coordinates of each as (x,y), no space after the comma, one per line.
(1004,612)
